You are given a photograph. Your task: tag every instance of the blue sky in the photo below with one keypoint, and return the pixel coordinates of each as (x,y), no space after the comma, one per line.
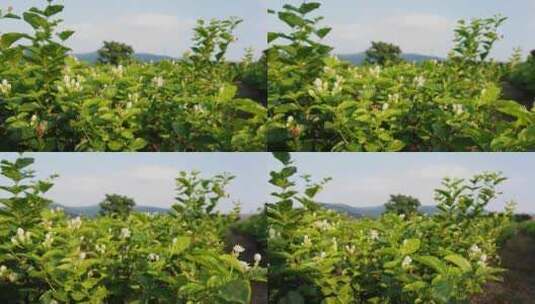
(359,179)
(156,26)
(421,26)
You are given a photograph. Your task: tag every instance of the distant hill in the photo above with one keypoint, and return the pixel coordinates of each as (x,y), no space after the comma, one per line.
(359,58)
(143,57)
(374,211)
(91,211)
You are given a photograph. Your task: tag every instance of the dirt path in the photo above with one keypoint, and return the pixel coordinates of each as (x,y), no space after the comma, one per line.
(518,286)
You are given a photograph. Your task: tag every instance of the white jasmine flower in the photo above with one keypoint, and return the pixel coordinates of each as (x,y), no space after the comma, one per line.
(75,223)
(237,250)
(100,248)
(5,87)
(375,71)
(158,81)
(272,233)
(406,262)
(385,106)
(458,109)
(257,259)
(125,233)
(82,255)
(47,243)
(13,277)
(323,225)
(118,71)
(374,234)
(153,257)
(350,249)
(306,241)
(420,81)
(3,270)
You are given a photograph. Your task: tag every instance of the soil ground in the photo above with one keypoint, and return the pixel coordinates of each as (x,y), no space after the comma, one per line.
(518,286)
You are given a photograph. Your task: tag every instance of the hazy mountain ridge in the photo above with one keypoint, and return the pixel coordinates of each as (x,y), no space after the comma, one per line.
(143,57)
(373,211)
(91,211)
(358,58)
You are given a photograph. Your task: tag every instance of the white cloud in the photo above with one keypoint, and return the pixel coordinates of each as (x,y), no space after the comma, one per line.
(147,32)
(417,32)
(440,171)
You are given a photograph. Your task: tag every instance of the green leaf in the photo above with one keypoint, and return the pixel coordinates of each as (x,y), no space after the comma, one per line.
(181,244)
(115,145)
(323,32)
(138,144)
(461,262)
(35,20)
(432,262)
(410,246)
(291,19)
(283,157)
(415,286)
(52,10)
(65,35)
(306,8)
(237,291)
(9,38)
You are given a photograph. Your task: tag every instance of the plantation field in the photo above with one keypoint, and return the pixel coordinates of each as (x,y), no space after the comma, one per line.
(320,256)
(319,103)
(190,255)
(51,102)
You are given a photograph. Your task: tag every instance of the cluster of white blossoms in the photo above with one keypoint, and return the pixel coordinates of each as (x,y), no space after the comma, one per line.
(118,71)
(237,250)
(322,88)
(351,249)
(199,108)
(75,223)
(257,259)
(132,99)
(73,84)
(374,234)
(406,263)
(272,233)
(306,241)
(419,81)
(334,244)
(394,98)
(47,243)
(323,225)
(5,87)
(158,81)
(34,120)
(375,71)
(3,271)
(100,248)
(153,257)
(125,233)
(458,109)
(21,237)
(476,253)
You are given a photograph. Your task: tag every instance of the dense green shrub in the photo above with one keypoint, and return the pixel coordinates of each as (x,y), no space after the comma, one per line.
(319,256)
(317,103)
(52,102)
(47,257)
